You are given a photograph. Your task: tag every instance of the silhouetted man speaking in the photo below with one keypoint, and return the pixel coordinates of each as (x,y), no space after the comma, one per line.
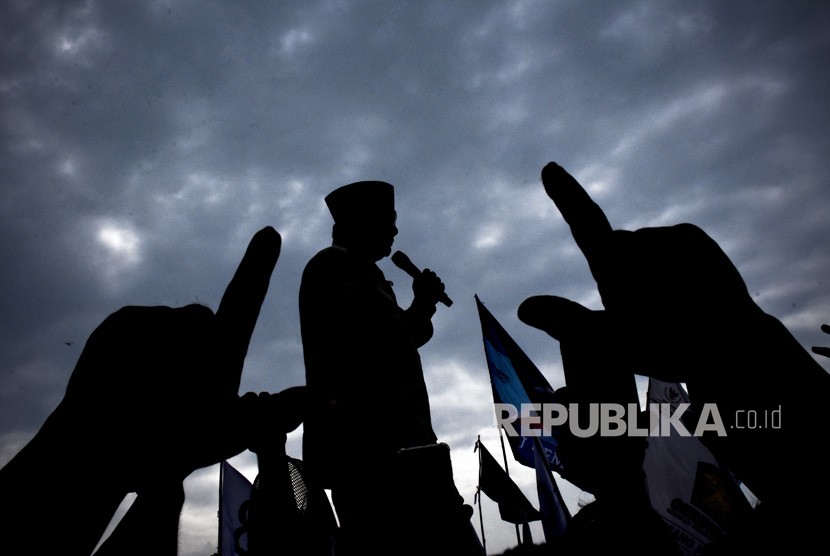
(364,372)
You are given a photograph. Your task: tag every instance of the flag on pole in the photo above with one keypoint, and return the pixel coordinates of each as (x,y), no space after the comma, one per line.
(234,495)
(515,380)
(514,507)
(554,512)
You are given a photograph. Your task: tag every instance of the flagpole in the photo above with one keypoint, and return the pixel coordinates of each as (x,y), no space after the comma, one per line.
(219,513)
(507,471)
(503,452)
(478,498)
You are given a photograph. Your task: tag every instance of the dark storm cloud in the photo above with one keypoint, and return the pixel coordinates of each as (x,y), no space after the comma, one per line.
(143,143)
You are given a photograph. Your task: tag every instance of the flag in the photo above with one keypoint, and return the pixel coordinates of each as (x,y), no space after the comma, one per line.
(697,498)
(234,495)
(515,380)
(555,514)
(514,507)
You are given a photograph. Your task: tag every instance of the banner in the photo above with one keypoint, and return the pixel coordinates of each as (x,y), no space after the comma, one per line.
(697,498)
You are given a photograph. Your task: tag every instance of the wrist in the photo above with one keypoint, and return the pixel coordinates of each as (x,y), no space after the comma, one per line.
(423,306)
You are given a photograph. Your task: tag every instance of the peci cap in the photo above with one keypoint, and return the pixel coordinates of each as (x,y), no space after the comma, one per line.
(361,201)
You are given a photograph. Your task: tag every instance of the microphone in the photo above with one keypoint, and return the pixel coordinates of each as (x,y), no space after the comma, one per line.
(404,263)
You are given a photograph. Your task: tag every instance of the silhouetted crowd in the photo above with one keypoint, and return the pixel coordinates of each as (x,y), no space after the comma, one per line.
(155,396)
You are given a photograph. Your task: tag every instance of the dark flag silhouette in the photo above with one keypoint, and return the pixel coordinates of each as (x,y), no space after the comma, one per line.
(234,496)
(555,514)
(514,507)
(515,380)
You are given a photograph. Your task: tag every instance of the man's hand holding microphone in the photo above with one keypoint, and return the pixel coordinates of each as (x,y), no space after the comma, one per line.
(426,285)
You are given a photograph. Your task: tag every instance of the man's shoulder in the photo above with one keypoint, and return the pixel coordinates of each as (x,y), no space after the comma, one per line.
(327,265)
(330,256)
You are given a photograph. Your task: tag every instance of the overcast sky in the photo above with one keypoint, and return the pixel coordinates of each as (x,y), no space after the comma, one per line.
(144,143)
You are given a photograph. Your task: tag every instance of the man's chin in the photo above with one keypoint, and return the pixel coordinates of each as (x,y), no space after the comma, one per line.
(382,253)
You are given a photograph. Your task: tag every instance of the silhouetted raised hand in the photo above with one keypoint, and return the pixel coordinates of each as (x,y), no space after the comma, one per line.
(662,288)
(154,396)
(158,385)
(677,309)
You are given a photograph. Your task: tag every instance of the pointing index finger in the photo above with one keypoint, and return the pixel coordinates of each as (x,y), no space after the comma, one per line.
(239,309)
(589,225)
